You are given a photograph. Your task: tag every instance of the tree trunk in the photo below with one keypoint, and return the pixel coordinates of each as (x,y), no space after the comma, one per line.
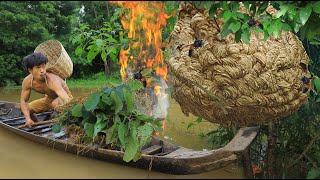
(106,67)
(246,163)
(270,147)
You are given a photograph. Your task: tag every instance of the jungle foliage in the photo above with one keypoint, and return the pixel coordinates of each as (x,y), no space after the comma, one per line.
(111,114)
(287,148)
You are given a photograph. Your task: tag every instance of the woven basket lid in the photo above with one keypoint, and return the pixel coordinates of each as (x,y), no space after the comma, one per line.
(59,61)
(234,84)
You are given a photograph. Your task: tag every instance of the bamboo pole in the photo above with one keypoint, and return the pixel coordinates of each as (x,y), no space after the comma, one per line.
(39,123)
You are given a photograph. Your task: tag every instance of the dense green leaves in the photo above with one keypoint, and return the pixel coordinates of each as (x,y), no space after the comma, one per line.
(24,25)
(92,102)
(111,112)
(292,16)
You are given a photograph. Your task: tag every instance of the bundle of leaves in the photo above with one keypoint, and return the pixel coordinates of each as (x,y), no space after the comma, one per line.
(111,113)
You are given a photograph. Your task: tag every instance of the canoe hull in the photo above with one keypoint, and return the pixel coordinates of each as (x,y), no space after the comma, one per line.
(175,159)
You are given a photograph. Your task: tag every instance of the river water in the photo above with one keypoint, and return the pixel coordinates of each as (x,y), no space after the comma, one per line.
(23,158)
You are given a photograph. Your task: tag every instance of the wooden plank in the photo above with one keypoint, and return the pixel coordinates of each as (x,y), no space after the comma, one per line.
(42,131)
(152,150)
(37,127)
(2,105)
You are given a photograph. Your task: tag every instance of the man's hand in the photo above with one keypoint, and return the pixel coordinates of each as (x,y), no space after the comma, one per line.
(29,123)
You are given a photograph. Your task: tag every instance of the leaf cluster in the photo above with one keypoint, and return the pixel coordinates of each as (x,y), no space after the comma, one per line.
(296,16)
(111,113)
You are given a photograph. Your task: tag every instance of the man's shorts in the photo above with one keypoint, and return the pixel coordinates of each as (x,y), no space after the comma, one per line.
(43,104)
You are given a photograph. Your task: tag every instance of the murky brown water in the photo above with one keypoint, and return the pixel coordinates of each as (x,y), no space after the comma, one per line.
(22,158)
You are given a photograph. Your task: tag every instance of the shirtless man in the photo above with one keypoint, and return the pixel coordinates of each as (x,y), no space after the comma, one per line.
(55,89)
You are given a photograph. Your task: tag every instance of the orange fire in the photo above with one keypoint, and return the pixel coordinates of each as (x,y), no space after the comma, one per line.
(144,21)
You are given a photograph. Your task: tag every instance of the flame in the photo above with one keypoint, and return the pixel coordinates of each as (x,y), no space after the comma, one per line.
(144,21)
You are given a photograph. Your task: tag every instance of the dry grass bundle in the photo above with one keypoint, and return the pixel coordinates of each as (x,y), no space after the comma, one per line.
(256,82)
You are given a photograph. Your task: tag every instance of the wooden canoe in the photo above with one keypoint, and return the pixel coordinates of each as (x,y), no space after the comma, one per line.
(158,155)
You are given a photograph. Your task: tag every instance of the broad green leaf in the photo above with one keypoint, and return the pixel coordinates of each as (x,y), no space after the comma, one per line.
(238,35)
(144,133)
(111,39)
(112,84)
(246,4)
(56,128)
(107,99)
(98,127)
(146,72)
(235,26)
(225,29)
(316,7)
(113,57)
(303,32)
(277,28)
(92,101)
(132,148)
(77,110)
(245,36)
(135,84)
(122,131)
(292,13)
(111,134)
(227,15)
(263,7)
(117,101)
(76,39)
(104,55)
(235,6)
(317,84)
(89,129)
(238,15)
(253,8)
(283,10)
(92,54)
(99,43)
(318,100)
(212,12)
(137,156)
(305,13)
(101,117)
(314,173)
(225,4)
(111,49)
(78,50)
(285,27)
(271,28)
(128,99)
(143,117)
(208,4)
(119,91)
(107,91)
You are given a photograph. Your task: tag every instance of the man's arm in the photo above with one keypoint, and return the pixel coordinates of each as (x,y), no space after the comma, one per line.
(25,95)
(56,86)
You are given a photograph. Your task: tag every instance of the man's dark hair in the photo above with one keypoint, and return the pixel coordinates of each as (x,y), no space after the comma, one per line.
(34,59)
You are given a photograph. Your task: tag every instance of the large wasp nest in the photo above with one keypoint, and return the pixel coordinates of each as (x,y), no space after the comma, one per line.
(234,84)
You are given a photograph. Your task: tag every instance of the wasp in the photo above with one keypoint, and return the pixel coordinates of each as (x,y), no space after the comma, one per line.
(196,44)
(253,23)
(306,81)
(141,78)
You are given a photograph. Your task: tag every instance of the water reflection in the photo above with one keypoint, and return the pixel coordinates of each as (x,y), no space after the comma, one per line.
(33,160)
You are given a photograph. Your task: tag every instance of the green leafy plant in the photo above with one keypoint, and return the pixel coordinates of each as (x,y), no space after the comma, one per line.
(111,113)
(104,43)
(297,16)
